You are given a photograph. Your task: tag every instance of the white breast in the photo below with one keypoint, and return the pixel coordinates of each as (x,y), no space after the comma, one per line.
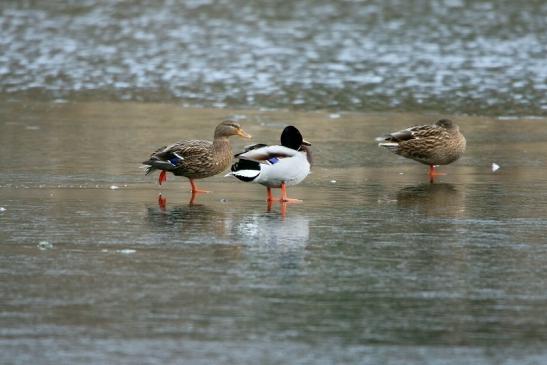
(291,170)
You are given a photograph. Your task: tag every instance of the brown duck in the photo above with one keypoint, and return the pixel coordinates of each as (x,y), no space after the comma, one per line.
(438,144)
(196,159)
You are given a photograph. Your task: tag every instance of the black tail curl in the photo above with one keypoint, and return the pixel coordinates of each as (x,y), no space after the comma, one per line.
(245,165)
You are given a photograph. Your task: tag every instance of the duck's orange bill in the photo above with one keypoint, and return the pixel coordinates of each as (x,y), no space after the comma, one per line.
(242,133)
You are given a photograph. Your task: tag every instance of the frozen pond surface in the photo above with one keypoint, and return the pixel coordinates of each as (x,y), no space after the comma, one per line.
(481,57)
(376,267)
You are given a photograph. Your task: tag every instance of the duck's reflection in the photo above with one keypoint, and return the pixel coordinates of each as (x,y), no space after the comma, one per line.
(272,230)
(195,220)
(162,200)
(229,225)
(278,245)
(274,243)
(433,199)
(282,207)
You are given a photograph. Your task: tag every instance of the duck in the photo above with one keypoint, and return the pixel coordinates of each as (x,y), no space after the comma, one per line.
(438,144)
(276,166)
(196,159)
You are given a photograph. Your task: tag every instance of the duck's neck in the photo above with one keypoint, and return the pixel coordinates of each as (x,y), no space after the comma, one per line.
(307,150)
(222,145)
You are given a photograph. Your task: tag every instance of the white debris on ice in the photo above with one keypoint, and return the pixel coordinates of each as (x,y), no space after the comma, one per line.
(126,251)
(44,245)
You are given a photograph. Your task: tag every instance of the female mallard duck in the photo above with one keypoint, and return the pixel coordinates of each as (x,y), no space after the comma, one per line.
(196,159)
(276,166)
(437,144)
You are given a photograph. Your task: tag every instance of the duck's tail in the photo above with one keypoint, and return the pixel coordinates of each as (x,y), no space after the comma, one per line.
(392,146)
(154,164)
(245,170)
(387,141)
(148,169)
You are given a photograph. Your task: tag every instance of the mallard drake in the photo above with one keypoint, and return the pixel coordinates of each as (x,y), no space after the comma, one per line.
(196,159)
(438,144)
(275,166)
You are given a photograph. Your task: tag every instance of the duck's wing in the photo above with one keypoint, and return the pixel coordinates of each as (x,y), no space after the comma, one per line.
(253,147)
(414,132)
(179,154)
(267,153)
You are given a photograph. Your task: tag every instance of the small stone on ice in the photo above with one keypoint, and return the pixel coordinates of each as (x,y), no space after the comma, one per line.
(114,187)
(44,245)
(495,167)
(126,251)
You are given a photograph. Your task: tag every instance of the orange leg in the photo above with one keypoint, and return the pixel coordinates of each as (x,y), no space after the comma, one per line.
(195,189)
(270,196)
(193,199)
(284,197)
(163,177)
(433,173)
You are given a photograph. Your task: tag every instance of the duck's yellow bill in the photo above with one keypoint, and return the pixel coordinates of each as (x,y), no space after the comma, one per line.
(242,133)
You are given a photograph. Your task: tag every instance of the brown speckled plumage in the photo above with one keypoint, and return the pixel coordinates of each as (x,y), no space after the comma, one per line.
(197,159)
(437,144)
(200,158)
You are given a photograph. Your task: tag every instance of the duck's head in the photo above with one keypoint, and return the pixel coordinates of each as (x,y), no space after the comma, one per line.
(230,128)
(446,124)
(292,138)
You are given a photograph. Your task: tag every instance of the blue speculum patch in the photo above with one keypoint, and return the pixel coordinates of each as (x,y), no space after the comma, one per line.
(273,160)
(174,160)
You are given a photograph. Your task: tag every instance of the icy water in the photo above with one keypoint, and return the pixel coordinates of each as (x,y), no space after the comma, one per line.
(484,57)
(376,266)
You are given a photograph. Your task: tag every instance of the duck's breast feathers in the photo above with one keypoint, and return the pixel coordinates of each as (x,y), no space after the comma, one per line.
(267,153)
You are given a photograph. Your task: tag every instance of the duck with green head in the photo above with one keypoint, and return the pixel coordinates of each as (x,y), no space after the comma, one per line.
(276,166)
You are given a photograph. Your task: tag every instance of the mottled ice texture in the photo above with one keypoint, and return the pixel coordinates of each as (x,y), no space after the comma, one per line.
(458,56)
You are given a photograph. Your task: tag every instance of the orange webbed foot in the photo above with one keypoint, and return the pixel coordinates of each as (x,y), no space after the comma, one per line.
(433,173)
(290,200)
(196,190)
(285,198)
(199,191)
